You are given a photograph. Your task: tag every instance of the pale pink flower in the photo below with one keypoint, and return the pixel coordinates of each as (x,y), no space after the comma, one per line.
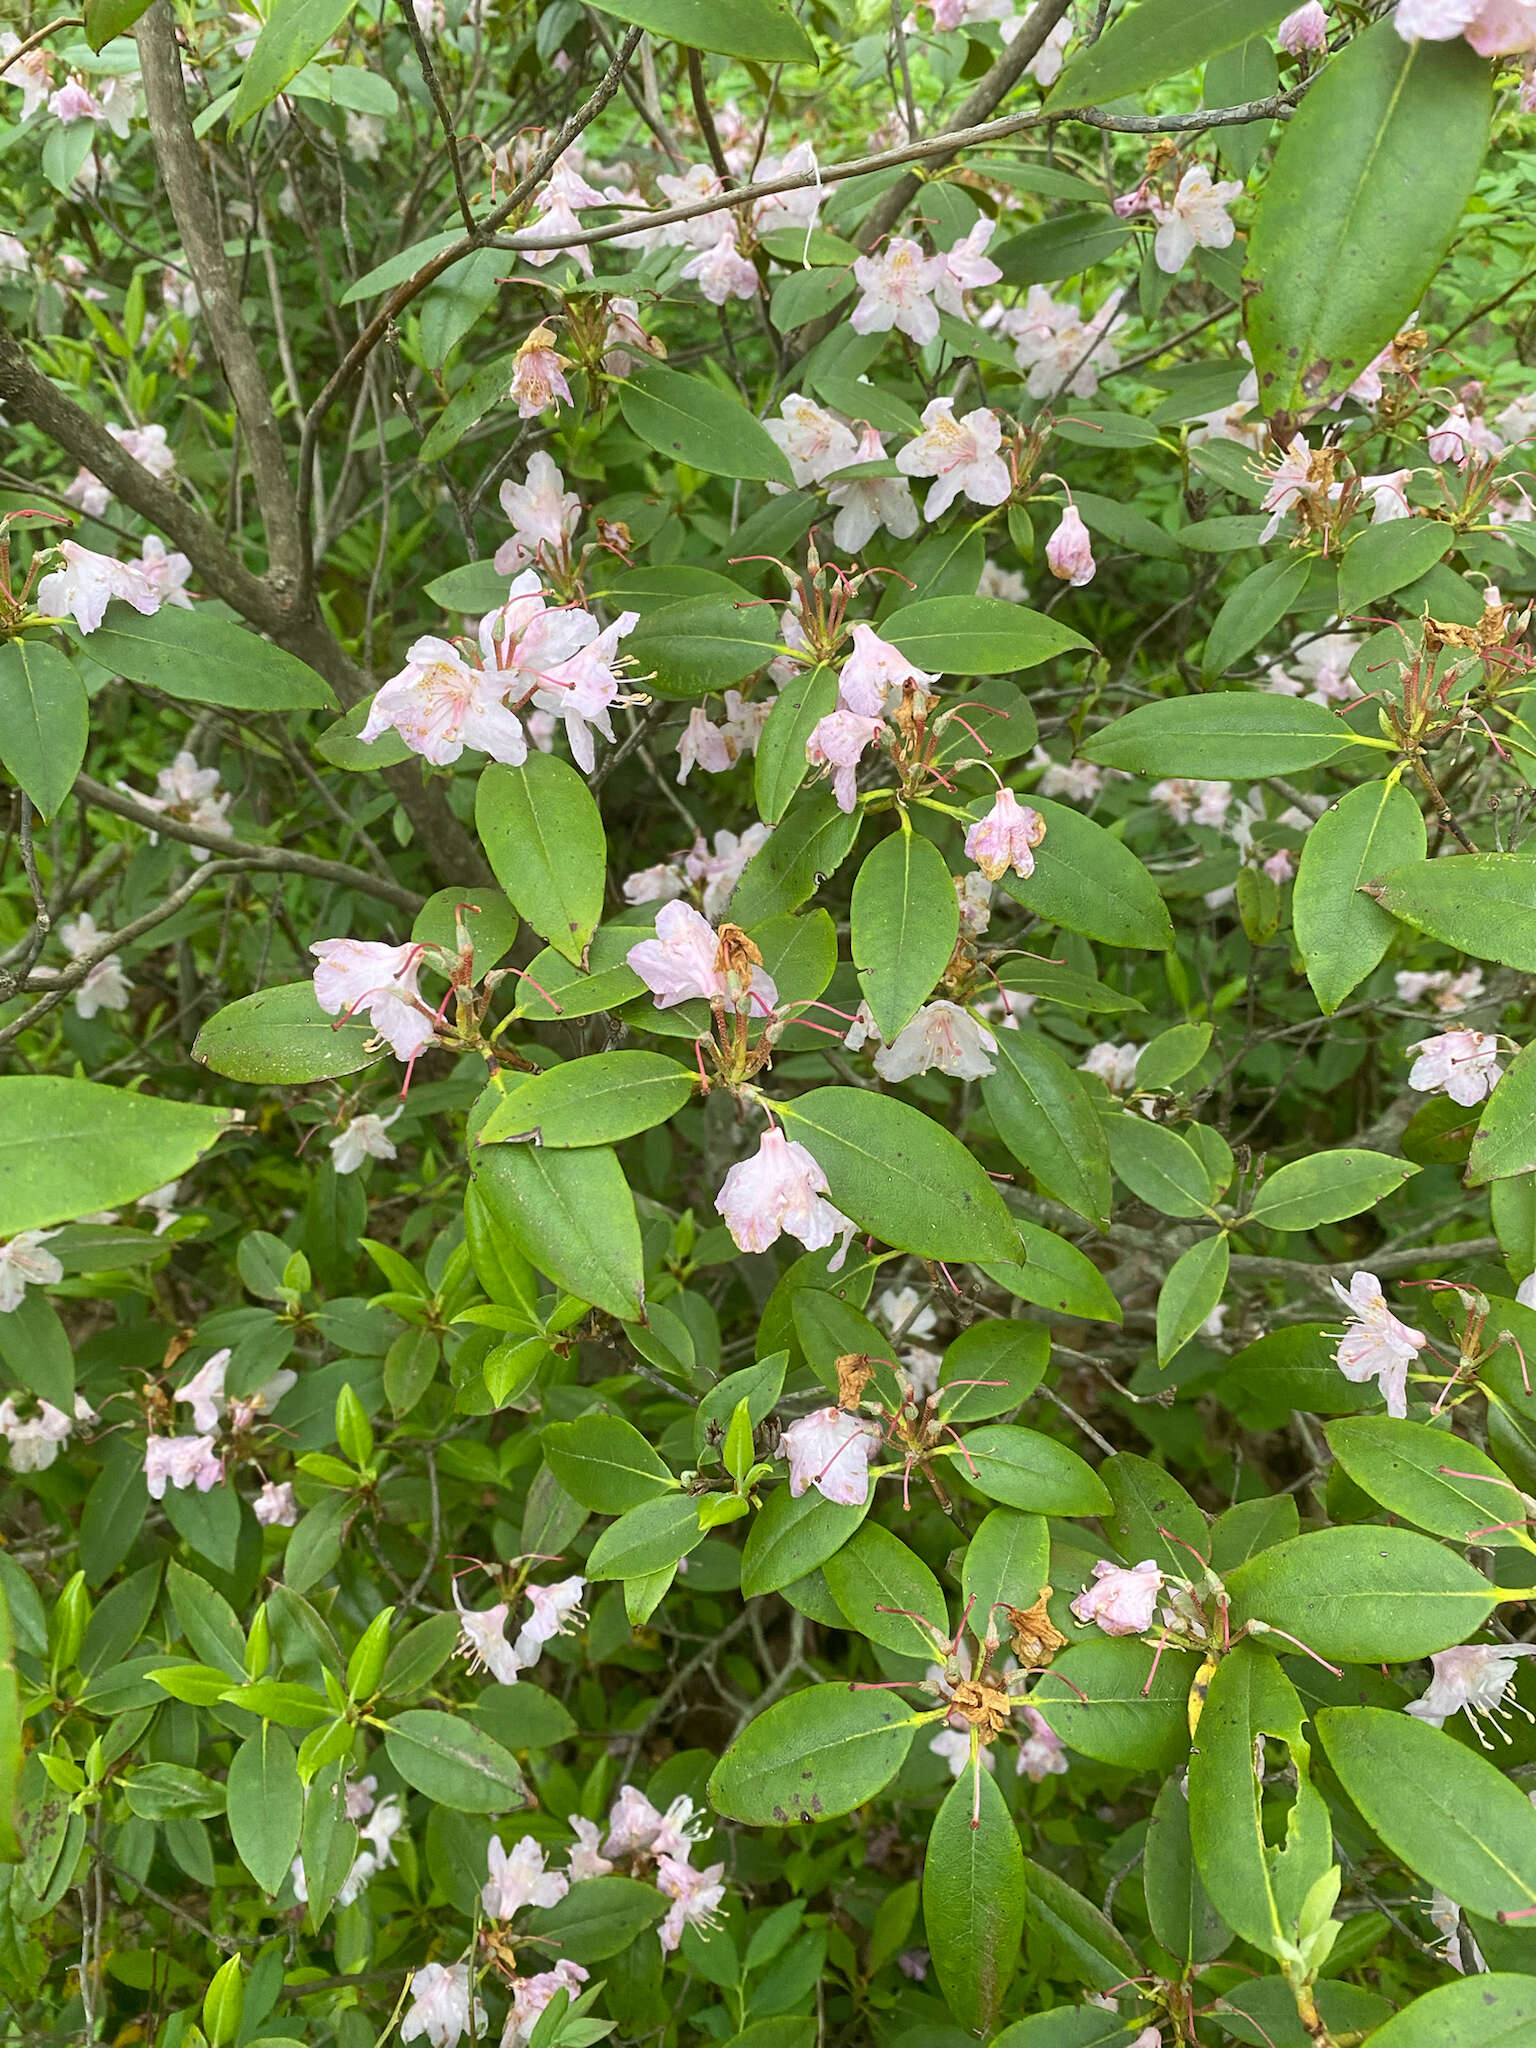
(685,960)
(872,670)
(530,1995)
(695,1896)
(1008,585)
(941,1036)
(87,493)
(829,1449)
(1280,866)
(1122,1599)
(555,213)
(1462,435)
(1041,1754)
(702,744)
(544,516)
(483,1640)
(204,1392)
(363,1137)
(961,455)
(1322,666)
(440,2006)
(180,1461)
(275,1508)
(814,442)
(1079,781)
(1005,838)
(1305,29)
(1288,482)
(837,742)
(897,286)
(34,1440)
(1195,218)
(721,272)
(1470,1679)
(1114,1065)
(721,869)
(1059,349)
(164,573)
(519,1879)
(74,102)
(85,584)
(1517,422)
(797,209)
(1494,28)
(658,884)
(581,688)
(555,1610)
(780,1188)
(625,337)
(583,1859)
(538,376)
(699,181)
(633,1824)
(106,986)
(360,976)
(867,503)
(1375,1345)
(1045,66)
(440,704)
(23,1265)
(148,447)
(913,1962)
(678,1830)
(1463,1063)
(31,72)
(967,267)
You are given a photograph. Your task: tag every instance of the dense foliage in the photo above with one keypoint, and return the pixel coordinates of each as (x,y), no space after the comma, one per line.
(767,1186)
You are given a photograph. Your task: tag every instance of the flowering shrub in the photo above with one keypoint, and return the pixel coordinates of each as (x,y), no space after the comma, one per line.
(767,1197)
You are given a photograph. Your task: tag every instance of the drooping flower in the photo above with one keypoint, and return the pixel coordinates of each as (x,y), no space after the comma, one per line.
(780,1188)
(276,1508)
(180,1461)
(106,986)
(440,2006)
(359,976)
(364,1137)
(1069,551)
(838,742)
(829,1449)
(34,1440)
(530,1995)
(1463,1063)
(721,272)
(814,442)
(961,455)
(87,582)
(544,516)
(1122,1599)
(873,670)
(1376,1345)
(866,503)
(555,1609)
(941,1036)
(22,1266)
(538,376)
(898,286)
(689,959)
(1006,838)
(695,1896)
(625,334)
(554,213)
(483,1640)
(1471,1679)
(1195,218)
(519,1879)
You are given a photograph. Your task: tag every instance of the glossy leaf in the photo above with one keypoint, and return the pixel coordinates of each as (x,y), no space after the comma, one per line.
(1341,930)
(202,659)
(1087,881)
(1044,1114)
(543,836)
(973,1899)
(905,918)
(69,1148)
(281,1036)
(44,721)
(593,1101)
(1221,736)
(572,1215)
(691,420)
(1363,1595)
(810,1757)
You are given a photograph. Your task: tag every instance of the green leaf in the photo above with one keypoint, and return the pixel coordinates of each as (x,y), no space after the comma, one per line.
(808,845)
(605,1463)
(977,636)
(68,1148)
(484,388)
(36,1349)
(543,835)
(1491,2010)
(1069,2026)
(779,766)
(1290,1368)
(1505,1140)
(522,1716)
(1082,1941)
(1062,247)
(1452,1816)
(1384,558)
(205,660)
(703,643)
(1057,1275)
(572,1215)
(1152,1510)
(1363,1595)
(45,721)
(1008,1560)
(973,1899)
(1258,1883)
(1336,268)
(1087,881)
(328,1841)
(11,1742)
(1178,1904)
(1480,903)
(1342,932)
(812,1756)
(598,1918)
(1254,608)
(105,19)
(691,420)
(650,1538)
(874,1575)
(1404,1466)
(295,31)
(1225,735)
(1171,1055)
(1044,1114)
(490,924)
(900,1176)
(905,919)
(1024,1469)
(1098,1698)
(265,1803)
(1161,1167)
(990,1368)
(762,29)
(1158,40)
(282,1036)
(448,1759)
(593,1101)
(791,1537)
(1327,1187)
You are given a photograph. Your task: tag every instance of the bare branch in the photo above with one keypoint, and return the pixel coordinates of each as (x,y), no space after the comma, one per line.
(439,101)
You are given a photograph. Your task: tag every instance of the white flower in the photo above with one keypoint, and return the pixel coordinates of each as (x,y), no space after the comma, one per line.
(1115,1065)
(544,516)
(1080,781)
(1041,1754)
(658,884)
(814,442)
(34,1440)
(440,704)
(483,1640)
(440,2006)
(204,1392)
(180,1461)
(1006,584)
(555,1608)
(829,1449)
(187,792)
(873,670)
(276,1508)
(584,1860)
(1470,1679)
(530,1995)
(1057,348)
(941,1036)
(359,975)
(898,286)
(695,1895)
(106,986)
(381,1826)
(893,1309)
(83,587)
(967,267)
(1375,1345)
(365,1137)
(960,454)
(780,1188)
(1463,1063)
(721,869)
(1196,218)
(973,893)
(164,573)
(632,1824)
(519,1880)
(721,272)
(867,503)
(1193,803)
(364,137)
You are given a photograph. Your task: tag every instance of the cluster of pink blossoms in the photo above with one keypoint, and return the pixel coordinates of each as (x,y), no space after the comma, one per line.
(483,1631)
(195,1460)
(875,673)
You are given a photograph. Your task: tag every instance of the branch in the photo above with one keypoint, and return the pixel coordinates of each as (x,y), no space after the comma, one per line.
(275,860)
(41,36)
(186,187)
(435,88)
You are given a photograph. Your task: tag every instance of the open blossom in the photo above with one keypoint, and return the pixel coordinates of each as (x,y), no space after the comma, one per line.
(1195,218)
(364,1137)
(898,286)
(555,1609)
(1464,1063)
(1114,1065)
(483,1640)
(838,742)
(717,748)
(360,976)
(829,1449)
(82,588)
(866,503)
(544,516)
(874,669)
(180,1461)
(1190,802)
(1319,669)
(695,1896)
(164,572)
(530,1995)
(87,493)
(941,1036)
(1451,993)
(554,213)
(961,455)
(538,376)
(23,1265)
(721,272)
(585,1859)
(106,986)
(1057,348)
(814,442)
(1290,481)
(440,2006)
(204,1392)
(1080,781)
(1304,29)
(30,72)
(1005,838)
(1375,1345)
(688,959)
(1494,28)
(34,1440)
(780,1188)
(966,267)
(1041,1753)
(1122,1599)
(1470,1679)
(519,1879)
(440,704)
(720,869)
(658,884)
(275,1506)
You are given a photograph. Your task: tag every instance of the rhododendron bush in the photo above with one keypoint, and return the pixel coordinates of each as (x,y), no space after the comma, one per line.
(767,1133)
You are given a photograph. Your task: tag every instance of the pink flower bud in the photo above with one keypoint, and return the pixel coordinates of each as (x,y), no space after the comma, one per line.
(1069,551)
(1306,29)
(1006,838)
